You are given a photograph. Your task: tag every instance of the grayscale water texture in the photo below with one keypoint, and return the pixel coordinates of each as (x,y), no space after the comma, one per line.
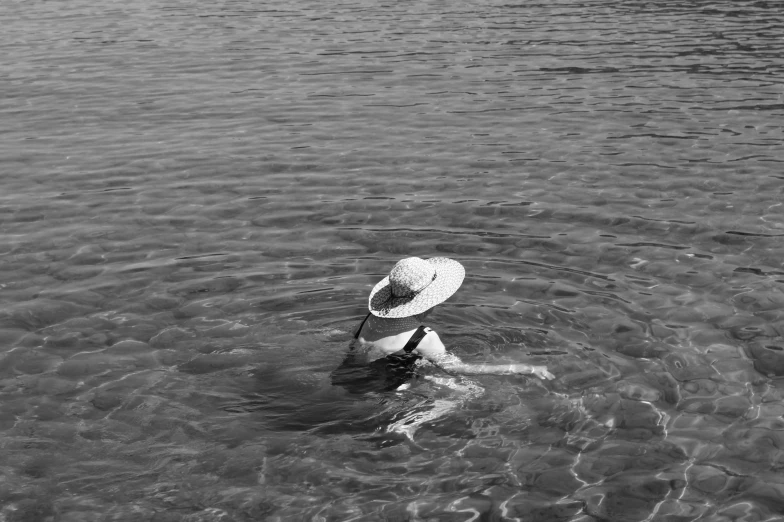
(197,197)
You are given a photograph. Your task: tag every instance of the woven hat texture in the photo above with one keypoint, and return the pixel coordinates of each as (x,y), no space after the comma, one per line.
(415,285)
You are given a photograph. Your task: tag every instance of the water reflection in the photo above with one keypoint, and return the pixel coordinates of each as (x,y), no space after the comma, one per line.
(196,200)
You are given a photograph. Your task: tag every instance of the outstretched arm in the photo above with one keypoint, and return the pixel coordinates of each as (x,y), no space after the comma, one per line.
(453,363)
(433,349)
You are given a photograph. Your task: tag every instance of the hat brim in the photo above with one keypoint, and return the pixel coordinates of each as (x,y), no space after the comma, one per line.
(449,277)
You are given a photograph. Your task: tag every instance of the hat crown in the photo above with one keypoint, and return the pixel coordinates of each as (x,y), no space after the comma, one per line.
(410,276)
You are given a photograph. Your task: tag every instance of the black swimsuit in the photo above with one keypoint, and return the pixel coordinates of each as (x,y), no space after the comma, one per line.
(384,374)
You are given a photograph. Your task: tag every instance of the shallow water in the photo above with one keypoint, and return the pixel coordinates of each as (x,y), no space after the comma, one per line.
(196,199)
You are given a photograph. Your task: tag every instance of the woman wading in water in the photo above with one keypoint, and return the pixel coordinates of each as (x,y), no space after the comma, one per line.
(393,340)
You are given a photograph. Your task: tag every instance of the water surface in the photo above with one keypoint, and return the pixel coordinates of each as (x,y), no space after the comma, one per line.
(196,200)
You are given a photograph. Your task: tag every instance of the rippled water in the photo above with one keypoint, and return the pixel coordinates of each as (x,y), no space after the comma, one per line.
(196,199)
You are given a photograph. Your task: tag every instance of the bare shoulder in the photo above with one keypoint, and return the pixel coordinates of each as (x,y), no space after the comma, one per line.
(431,346)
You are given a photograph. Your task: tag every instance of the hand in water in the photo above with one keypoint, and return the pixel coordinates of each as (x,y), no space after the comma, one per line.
(542,373)
(538,371)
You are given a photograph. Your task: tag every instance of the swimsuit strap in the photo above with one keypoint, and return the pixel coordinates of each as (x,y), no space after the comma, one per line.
(412,343)
(356,335)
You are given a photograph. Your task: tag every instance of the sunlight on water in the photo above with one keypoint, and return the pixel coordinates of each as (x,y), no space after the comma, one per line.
(197,199)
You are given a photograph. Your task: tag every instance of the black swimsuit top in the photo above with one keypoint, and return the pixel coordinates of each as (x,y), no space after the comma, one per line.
(384,374)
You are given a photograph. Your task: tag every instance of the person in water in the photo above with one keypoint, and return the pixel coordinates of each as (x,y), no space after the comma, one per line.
(393,335)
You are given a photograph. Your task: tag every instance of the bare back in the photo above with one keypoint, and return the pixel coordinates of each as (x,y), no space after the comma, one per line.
(382,337)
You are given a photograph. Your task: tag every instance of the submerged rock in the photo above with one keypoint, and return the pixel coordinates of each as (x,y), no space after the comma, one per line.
(39,313)
(768,357)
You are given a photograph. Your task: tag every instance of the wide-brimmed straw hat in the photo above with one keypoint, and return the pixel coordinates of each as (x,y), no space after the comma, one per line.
(415,285)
